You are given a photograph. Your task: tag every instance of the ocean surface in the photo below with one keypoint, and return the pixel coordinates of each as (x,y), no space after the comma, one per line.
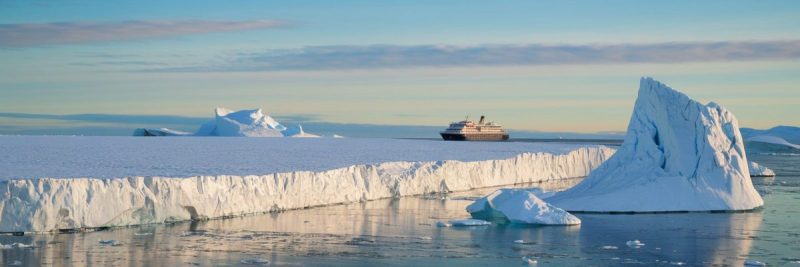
(403,232)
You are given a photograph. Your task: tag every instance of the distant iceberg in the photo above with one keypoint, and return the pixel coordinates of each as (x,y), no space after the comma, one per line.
(770,143)
(757,170)
(247,123)
(678,155)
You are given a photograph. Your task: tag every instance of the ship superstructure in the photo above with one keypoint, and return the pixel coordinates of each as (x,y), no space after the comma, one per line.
(468,130)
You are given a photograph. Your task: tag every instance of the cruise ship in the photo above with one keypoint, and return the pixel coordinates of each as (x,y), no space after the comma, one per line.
(468,130)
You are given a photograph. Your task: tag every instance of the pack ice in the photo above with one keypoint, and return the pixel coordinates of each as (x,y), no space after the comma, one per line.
(248,122)
(167,179)
(678,155)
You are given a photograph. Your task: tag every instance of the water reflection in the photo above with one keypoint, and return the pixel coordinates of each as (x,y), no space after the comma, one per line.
(403,232)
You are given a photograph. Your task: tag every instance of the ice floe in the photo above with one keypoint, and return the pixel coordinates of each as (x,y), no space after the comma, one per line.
(678,155)
(520,206)
(757,170)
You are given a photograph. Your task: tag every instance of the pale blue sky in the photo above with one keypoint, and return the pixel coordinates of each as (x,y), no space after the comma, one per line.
(532,65)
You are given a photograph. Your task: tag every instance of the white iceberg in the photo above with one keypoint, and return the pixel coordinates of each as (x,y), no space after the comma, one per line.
(520,206)
(757,170)
(678,155)
(250,123)
(247,123)
(129,181)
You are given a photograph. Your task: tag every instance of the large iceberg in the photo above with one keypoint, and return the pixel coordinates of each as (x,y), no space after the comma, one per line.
(520,206)
(129,181)
(248,123)
(678,155)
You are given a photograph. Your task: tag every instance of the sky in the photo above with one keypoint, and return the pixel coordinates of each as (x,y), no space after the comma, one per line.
(554,66)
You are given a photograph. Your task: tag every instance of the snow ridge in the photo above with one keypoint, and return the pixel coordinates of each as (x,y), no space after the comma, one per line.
(46,204)
(678,155)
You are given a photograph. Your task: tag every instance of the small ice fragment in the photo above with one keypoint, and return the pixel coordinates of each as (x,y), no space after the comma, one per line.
(443,224)
(609,247)
(469,222)
(110,242)
(425,238)
(519,241)
(529,260)
(615,258)
(254,261)
(16,263)
(678,263)
(634,244)
(754,263)
(141,234)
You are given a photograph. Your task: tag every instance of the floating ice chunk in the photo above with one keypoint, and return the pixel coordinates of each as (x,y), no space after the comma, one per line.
(677,263)
(678,155)
(16,245)
(142,234)
(754,263)
(110,242)
(608,247)
(529,260)
(16,263)
(757,170)
(634,244)
(519,241)
(443,224)
(520,206)
(337,136)
(254,261)
(469,222)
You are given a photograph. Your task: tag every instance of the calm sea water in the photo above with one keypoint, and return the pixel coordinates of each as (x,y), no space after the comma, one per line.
(403,232)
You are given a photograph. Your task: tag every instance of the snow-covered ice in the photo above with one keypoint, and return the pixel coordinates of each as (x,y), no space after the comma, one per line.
(678,155)
(62,182)
(520,206)
(757,170)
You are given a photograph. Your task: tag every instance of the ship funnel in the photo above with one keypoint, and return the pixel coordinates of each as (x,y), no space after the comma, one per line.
(481,121)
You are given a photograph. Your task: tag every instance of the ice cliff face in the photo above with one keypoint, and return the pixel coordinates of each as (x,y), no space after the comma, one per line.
(678,155)
(49,204)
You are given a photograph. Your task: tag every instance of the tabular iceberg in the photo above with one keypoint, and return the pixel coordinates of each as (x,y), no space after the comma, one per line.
(678,155)
(248,123)
(520,206)
(47,204)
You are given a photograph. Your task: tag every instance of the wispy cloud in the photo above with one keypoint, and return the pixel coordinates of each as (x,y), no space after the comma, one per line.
(395,56)
(36,34)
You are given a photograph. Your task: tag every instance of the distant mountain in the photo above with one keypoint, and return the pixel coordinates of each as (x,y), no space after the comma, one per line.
(788,133)
(780,139)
